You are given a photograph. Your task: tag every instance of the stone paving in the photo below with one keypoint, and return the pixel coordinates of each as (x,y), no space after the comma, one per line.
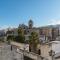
(7,54)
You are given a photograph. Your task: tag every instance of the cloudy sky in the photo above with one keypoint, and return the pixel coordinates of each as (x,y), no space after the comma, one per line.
(42,12)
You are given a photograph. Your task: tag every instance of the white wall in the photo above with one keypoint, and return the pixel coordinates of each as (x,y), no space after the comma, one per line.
(56,47)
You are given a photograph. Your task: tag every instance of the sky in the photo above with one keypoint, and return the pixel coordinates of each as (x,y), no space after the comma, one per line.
(42,12)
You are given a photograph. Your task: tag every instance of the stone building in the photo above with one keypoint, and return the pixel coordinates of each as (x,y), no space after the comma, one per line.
(46,34)
(51,33)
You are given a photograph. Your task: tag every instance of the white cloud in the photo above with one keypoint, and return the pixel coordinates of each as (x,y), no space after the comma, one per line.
(3,27)
(54,22)
(7,26)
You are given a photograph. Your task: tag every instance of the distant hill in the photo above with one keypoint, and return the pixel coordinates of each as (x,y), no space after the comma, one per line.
(51,26)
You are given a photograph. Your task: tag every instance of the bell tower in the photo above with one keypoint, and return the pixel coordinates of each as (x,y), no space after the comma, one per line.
(30,23)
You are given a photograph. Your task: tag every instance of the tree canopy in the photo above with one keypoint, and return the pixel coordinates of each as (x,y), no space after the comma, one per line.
(33,41)
(20,38)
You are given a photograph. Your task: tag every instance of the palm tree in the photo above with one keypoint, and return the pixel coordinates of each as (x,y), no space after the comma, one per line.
(33,41)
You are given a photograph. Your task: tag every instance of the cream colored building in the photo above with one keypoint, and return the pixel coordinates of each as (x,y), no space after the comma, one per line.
(46,48)
(45,51)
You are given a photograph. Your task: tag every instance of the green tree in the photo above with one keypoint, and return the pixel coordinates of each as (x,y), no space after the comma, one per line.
(33,41)
(20,38)
(20,31)
(10,35)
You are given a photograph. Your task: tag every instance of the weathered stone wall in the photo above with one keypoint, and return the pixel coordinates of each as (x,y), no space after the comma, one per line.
(7,54)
